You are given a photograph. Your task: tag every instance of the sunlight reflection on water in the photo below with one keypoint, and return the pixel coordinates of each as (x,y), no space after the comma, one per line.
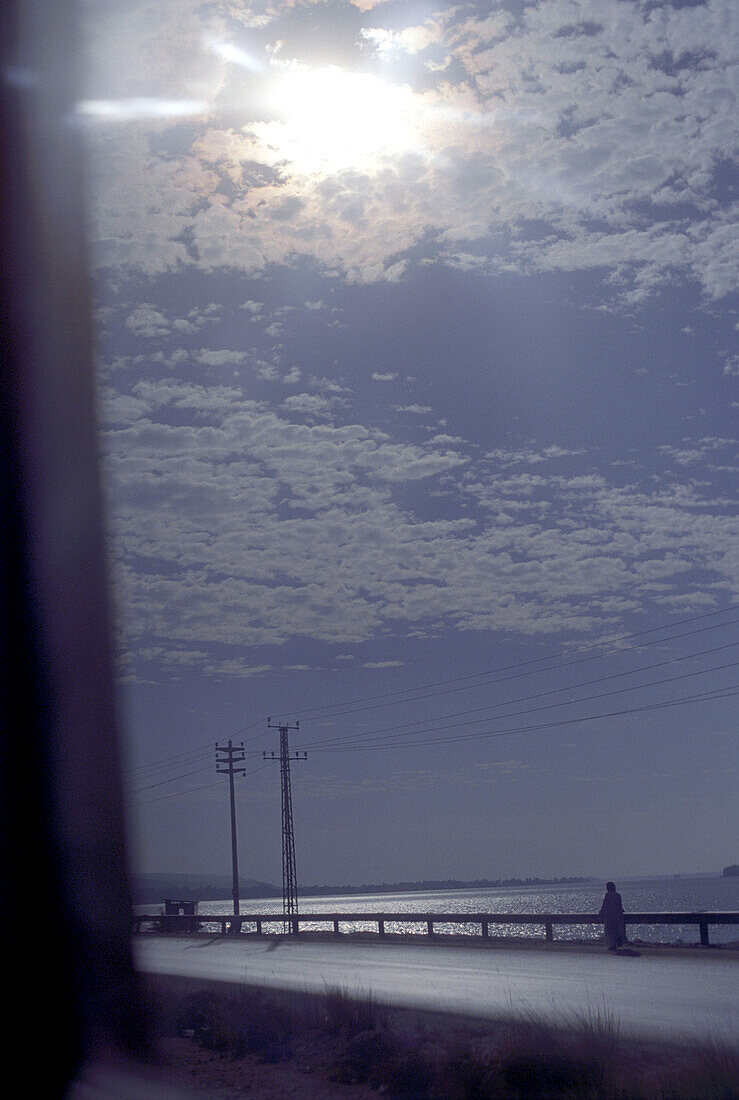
(680,894)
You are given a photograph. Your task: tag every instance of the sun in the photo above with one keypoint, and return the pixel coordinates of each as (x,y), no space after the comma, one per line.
(332,119)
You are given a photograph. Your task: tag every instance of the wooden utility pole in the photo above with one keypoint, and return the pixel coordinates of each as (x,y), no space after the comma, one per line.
(227,757)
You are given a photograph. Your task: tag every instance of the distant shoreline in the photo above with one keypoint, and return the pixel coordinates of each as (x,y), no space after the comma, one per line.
(149,889)
(431,885)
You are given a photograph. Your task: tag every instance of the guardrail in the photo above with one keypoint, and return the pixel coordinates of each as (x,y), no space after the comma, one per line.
(292,923)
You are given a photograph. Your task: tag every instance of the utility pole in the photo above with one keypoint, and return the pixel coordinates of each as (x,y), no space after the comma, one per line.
(289,874)
(227,757)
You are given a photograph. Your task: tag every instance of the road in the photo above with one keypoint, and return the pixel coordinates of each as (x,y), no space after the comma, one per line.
(651,996)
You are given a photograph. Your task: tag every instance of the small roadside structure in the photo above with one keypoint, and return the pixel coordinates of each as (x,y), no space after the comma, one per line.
(175,907)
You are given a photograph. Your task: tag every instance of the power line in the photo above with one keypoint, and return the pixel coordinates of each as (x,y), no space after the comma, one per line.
(194,790)
(190,756)
(375,742)
(717,693)
(519,669)
(172,761)
(387,730)
(179,794)
(181,757)
(386,698)
(172,779)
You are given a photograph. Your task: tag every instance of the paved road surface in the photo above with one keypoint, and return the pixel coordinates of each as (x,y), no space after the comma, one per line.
(650,995)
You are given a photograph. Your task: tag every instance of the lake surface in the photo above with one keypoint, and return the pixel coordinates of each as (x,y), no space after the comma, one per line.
(680,894)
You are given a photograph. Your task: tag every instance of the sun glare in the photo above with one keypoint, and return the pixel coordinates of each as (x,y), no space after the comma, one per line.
(334,119)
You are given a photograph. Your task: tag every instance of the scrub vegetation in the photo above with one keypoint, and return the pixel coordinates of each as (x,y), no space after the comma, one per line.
(353,1046)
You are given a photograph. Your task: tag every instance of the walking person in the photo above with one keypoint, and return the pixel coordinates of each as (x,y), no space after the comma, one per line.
(612,913)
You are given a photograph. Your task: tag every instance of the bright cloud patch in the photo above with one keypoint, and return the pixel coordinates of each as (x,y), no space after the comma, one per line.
(561,136)
(334,119)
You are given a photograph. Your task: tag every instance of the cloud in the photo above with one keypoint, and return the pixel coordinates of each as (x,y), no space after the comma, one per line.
(604,125)
(410,40)
(308,404)
(697,451)
(236,524)
(220,358)
(253,500)
(147,321)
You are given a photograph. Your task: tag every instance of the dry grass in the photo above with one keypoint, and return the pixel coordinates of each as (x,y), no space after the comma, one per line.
(353,1040)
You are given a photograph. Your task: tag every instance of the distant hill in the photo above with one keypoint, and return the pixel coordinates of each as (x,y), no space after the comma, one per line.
(732,869)
(192,887)
(438,884)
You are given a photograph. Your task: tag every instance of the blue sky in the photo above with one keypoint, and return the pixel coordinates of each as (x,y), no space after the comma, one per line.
(417,366)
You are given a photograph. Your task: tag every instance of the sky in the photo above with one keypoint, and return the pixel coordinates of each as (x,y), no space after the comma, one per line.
(416,363)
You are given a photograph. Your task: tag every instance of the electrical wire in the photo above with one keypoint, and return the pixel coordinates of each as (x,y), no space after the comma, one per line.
(717,693)
(172,779)
(177,759)
(528,672)
(386,730)
(194,790)
(524,668)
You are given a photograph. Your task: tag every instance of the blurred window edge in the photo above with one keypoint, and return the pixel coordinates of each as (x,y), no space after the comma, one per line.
(66,900)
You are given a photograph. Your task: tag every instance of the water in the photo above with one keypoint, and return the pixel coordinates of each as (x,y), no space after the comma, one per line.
(646,895)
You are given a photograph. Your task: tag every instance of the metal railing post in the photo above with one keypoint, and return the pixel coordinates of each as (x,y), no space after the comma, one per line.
(141,922)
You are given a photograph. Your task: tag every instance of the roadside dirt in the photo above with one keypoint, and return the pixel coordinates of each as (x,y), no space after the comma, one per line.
(222,1078)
